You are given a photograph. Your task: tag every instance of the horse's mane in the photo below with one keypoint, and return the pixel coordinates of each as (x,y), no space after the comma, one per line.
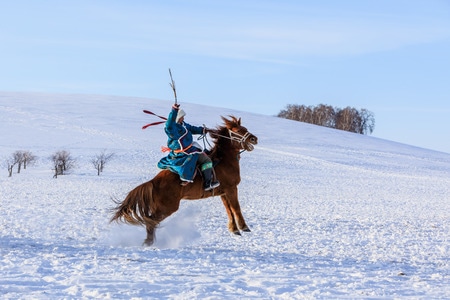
(220,134)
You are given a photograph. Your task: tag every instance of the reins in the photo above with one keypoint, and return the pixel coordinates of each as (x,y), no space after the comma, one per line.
(233,136)
(204,139)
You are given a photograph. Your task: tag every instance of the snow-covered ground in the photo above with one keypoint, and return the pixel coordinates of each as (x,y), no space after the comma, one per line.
(333,214)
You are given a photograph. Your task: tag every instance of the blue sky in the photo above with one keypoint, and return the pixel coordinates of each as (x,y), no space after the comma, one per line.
(391,57)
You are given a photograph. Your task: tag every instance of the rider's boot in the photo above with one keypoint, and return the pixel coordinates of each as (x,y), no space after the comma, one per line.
(208,182)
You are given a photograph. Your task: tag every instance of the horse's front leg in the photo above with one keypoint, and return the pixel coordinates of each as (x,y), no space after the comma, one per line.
(235,219)
(232,226)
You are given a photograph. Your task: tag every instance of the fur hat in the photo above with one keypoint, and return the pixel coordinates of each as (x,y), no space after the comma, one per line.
(180,114)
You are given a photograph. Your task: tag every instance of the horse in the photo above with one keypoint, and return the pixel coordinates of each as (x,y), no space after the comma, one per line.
(151,202)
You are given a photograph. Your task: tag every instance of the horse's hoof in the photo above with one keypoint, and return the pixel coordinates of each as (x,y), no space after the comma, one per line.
(147,243)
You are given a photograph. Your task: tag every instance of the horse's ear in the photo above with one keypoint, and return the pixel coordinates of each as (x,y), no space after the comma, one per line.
(225,120)
(235,120)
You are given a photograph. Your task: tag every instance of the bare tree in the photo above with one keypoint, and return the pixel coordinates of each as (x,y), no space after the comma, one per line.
(10,169)
(28,159)
(295,112)
(18,159)
(62,162)
(291,112)
(324,115)
(99,161)
(306,114)
(10,163)
(367,121)
(349,118)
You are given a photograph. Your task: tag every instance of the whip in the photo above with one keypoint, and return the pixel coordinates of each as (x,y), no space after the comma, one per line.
(172,85)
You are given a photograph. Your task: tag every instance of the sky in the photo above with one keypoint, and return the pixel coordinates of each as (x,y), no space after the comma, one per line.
(390,57)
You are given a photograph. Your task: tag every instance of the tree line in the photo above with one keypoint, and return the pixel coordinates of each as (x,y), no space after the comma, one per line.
(349,119)
(19,159)
(62,161)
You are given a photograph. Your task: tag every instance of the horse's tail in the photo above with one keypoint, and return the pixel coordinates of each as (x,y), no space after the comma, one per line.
(137,207)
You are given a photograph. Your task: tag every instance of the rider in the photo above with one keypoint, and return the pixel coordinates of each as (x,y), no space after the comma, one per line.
(185,154)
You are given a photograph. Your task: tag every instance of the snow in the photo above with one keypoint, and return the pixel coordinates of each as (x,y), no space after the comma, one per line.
(333,214)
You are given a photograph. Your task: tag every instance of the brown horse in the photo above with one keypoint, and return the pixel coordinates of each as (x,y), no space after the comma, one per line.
(150,203)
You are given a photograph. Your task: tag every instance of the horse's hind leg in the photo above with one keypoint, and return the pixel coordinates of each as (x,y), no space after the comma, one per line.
(151,226)
(150,235)
(172,205)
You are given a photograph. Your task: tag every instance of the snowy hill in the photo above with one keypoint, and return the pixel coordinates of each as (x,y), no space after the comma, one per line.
(333,214)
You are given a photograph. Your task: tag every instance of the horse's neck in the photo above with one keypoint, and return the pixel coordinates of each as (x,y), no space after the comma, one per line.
(225,152)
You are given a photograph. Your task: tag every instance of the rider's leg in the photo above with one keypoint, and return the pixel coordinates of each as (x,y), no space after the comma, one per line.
(206,167)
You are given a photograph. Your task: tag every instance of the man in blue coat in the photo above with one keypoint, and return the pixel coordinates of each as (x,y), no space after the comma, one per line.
(185,154)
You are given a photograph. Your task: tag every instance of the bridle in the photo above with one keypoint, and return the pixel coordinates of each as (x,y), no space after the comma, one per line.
(235,137)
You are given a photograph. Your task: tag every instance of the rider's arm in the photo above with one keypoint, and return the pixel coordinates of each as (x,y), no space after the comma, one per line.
(171,119)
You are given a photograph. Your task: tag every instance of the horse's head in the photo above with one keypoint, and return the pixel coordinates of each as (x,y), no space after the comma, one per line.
(239,134)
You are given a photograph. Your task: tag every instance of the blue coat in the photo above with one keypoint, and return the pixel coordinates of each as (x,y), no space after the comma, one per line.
(183,155)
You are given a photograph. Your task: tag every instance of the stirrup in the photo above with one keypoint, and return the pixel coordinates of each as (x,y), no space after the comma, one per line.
(211,185)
